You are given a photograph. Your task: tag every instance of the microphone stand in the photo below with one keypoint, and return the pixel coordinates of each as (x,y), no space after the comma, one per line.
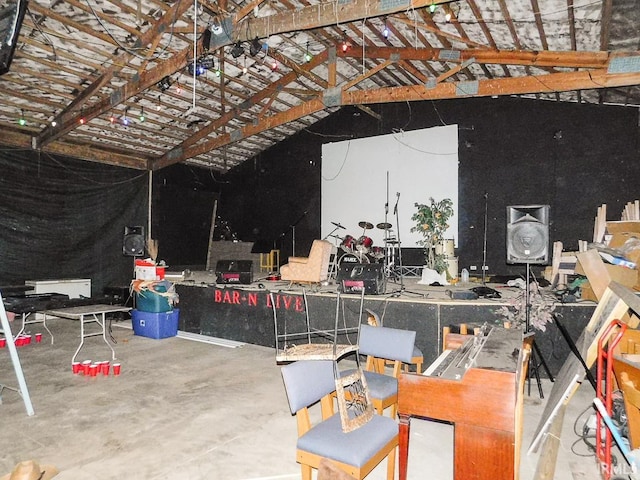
(484,247)
(395,212)
(293,233)
(386,233)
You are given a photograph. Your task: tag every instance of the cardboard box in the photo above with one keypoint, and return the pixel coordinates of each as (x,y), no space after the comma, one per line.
(623,275)
(155,325)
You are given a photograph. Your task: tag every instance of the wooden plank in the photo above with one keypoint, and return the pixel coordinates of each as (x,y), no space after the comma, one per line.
(615,304)
(595,271)
(546,467)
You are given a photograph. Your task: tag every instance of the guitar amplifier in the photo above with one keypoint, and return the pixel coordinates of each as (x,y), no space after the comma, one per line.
(234,271)
(354,277)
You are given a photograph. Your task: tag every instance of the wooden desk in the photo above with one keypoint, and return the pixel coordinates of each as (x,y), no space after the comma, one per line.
(485,406)
(88,314)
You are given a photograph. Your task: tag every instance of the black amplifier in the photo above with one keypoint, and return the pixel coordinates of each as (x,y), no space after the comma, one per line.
(354,277)
(234,271)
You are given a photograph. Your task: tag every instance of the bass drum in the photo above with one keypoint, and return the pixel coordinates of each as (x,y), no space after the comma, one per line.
(352,258)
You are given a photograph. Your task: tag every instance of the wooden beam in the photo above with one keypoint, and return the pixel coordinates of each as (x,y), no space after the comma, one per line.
(77,150)
(323,14)
(307,108)
(150,77)
(370,72)
(68,119)
(176,155)
(504,57)
(551,83)
(504,86)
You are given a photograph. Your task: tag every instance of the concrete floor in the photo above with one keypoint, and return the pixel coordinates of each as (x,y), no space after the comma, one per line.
(183,409)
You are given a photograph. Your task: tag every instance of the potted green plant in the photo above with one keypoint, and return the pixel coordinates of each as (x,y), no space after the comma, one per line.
(432,221)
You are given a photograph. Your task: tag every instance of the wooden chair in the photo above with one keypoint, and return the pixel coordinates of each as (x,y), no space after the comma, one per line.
(382,344)
(270,262)
(417,358)
(357,452)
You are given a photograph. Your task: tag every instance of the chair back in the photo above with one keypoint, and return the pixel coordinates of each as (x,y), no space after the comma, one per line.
(387,343)
(320,256)
(307,381)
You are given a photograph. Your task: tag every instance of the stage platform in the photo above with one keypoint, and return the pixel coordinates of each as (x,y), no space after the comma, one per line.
(244,313)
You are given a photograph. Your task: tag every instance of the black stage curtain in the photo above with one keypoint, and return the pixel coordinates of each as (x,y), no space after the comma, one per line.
(65,218)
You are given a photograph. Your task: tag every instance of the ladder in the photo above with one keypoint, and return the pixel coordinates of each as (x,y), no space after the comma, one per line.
(22,384)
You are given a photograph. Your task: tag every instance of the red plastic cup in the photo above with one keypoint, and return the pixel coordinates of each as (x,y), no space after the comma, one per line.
(19,342)
(116,369)
(76,367)
(3,342)
(105,368)
(93,369)
(38,337)
(86,365)
(27,339)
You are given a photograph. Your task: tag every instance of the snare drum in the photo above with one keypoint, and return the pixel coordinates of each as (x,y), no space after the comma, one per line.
(348,244)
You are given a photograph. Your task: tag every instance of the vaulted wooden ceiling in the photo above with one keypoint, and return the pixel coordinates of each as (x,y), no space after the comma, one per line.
(118,79)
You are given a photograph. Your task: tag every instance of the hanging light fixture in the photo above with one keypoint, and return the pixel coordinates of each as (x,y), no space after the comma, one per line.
(307,55)
(244,67)
(432,7)
(255,47)
(21,121)
(142,118)
(385,31)
(237,50)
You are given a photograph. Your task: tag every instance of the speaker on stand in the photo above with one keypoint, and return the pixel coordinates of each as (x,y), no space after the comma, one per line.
(528,243)
(528,234)
(133,241)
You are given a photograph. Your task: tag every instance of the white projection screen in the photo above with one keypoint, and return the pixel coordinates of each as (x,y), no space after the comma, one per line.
(359,177)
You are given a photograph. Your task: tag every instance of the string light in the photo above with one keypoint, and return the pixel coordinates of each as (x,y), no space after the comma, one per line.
(159,106)
(447,16)
(112,119)
(142,117)
(307,55)
(22,120)
(385,31)
(125,120)
(432,7)
(274,65)
(178,88)
(345,46)
(244,68)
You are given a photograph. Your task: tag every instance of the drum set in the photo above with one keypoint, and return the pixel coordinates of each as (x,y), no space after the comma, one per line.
(360,249)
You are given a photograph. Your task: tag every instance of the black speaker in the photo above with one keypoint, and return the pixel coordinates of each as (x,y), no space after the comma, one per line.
(354,277)
(234,271)
(133,241)
(528,234)
(11,17)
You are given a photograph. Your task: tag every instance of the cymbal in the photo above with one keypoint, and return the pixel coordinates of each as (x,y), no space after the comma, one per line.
(384,226)
(337,225)
(365,225)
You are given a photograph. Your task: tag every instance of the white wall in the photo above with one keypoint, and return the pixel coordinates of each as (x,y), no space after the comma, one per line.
(360,177)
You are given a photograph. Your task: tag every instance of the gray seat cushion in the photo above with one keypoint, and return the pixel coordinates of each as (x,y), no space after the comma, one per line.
(354,448)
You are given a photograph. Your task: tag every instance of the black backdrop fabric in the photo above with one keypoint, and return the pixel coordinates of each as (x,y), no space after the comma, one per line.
(62,218)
